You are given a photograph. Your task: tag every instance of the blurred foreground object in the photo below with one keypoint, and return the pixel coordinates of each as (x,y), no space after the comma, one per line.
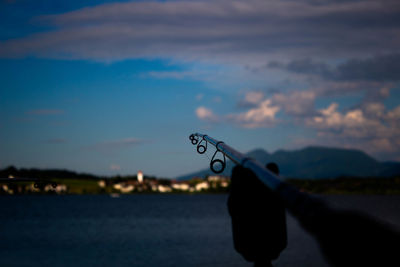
(258,218)
(346,238)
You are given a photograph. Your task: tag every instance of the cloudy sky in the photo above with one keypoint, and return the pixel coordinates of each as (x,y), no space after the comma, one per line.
(113,87)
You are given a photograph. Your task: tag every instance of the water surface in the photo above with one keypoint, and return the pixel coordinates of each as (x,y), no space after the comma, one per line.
(145,230)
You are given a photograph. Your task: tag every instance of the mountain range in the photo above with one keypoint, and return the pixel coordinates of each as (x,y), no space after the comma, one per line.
(316,163)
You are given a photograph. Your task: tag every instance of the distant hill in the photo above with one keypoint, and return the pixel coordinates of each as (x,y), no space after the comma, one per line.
(318,162)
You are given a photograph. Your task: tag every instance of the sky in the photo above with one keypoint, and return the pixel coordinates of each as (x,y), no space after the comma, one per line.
(113,87)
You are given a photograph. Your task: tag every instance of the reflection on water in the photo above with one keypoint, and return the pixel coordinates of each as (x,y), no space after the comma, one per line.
(145,230)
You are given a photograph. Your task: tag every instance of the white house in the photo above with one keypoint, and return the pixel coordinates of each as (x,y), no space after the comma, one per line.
(140,176)
(180,186)
(202,185)
(164,189)
(123,188)
(102,183)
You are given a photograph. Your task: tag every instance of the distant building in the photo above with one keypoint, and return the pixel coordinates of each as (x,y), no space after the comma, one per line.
(164,188)
(217,180)
(60,188)
(214,178)
(102,183)
(127,189)
(224,184)
(201,186)
(153,185)
(180,186)
(117,186)
(140,176)
(7,189)
(124,188)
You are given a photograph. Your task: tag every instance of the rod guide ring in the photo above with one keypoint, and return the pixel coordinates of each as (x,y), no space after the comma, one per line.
(201,149)
(216,145)
(217,161)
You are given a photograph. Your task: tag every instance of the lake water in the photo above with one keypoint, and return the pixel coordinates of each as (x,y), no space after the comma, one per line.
(146,230)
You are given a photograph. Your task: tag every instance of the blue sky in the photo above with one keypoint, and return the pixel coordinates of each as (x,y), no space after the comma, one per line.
(116,87)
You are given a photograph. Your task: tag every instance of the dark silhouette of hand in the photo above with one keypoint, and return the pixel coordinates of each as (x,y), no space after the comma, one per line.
(346,238)
(258,218)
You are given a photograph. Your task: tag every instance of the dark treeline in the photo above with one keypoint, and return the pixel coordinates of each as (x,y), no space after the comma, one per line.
(37,181)
(341,185)
(44,174)
(63,174)
(349,185)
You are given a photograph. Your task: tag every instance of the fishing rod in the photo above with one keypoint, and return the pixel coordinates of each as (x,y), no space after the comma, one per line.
(285,191)
(267,177)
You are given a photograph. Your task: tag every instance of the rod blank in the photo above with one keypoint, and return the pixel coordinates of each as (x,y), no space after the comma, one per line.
(265,176)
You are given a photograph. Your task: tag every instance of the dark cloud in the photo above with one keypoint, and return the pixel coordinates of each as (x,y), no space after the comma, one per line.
(304,37)
(224,30)
(304,66)
(379,68)
(385,68)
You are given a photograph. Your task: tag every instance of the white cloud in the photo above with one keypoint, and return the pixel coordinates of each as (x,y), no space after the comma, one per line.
(352,123)
(296,103)
(261,112)
(206,114)
(370,127)
(253,97)
(374,109)
(261,116)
